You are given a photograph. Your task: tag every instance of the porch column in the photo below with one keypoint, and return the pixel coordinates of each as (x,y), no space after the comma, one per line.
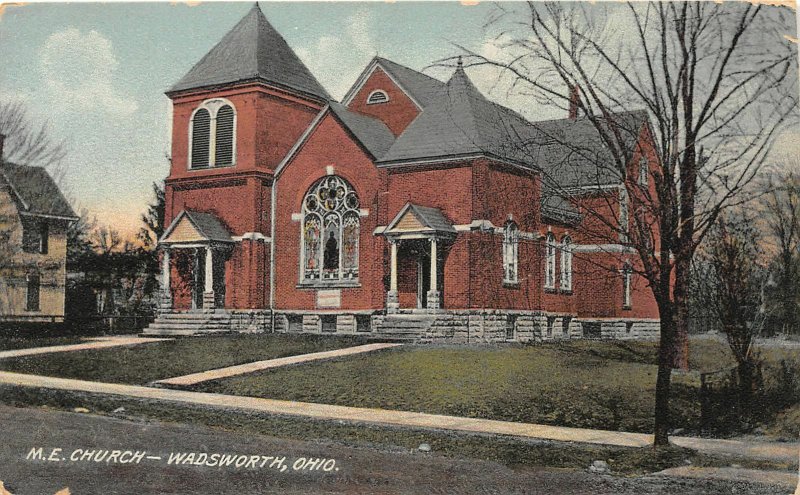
(166,291)
(392,299)
(208,293)
(433,293)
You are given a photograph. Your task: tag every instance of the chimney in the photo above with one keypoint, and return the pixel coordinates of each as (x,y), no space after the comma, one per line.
(574,101)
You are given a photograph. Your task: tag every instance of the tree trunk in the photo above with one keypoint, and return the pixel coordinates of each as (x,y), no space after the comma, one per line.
(680,344)
(666,358)
(746,373)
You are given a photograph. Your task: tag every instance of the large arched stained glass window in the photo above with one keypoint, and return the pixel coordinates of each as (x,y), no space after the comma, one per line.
(331,228)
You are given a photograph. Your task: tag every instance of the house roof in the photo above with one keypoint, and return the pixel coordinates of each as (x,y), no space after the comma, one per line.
(419,86)
(429,218)
(370,132)
(36,191)
(252,50)
(461,121)
(207,225)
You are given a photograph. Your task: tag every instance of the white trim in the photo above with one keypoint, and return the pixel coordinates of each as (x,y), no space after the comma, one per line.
(603,248)
(384,93)
(212,105)
(297,217)
(329,170)
(252,236)
(43,215)
(363,212)
(468,156)
(364,77)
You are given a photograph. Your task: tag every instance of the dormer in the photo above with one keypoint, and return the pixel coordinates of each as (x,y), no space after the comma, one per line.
(392,93)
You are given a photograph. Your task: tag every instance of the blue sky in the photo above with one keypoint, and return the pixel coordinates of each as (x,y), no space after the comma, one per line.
(97,73)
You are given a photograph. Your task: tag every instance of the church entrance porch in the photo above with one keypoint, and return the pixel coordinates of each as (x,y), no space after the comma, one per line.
(419,238)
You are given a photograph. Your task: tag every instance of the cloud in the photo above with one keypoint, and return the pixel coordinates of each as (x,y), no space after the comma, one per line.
(78,73)
(328,55)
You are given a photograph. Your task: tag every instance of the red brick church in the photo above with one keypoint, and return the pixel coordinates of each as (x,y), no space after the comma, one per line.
(415,208)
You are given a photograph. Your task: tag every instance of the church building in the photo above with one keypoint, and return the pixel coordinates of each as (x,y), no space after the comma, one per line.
(413,209)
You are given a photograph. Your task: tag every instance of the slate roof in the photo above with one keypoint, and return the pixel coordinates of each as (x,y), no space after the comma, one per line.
(555,207)
(370,132)
(461,121)
(422,88)
(35,190)
(252,50)
(209,226)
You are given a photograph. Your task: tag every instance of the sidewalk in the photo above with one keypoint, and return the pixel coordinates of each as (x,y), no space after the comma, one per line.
(783,479)
(98,343)
(782,452)
(204,376)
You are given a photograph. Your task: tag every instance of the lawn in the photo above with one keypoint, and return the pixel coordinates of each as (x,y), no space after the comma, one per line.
(588,384)
(8,343)
(144,363)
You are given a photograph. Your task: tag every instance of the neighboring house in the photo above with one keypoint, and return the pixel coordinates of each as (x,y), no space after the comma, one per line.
(414,208)
(34,218)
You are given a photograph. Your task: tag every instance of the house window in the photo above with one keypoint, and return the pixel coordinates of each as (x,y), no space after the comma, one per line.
(35,237)
(566,263)
(511,327)
(644,171)
(551,322)
(32,299)
(213,135)
(377,96)
(627,273)
(510,253)
(624,220)
(550,263)
(565,323)
(330,232)
(328,323)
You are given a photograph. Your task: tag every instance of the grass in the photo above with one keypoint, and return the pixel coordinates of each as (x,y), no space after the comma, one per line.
(584,384)
(506,450)
(8,343)
(144,363)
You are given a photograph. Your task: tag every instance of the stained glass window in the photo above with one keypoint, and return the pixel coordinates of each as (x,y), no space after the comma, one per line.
(510,252)
(331,229)
(566,263)
(550,262)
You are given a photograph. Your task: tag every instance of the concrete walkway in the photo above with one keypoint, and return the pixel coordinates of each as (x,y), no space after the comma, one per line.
(241,369)
(96,343)
(782,452)
(784,479)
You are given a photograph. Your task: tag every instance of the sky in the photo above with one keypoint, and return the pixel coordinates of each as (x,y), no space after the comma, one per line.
(97,73)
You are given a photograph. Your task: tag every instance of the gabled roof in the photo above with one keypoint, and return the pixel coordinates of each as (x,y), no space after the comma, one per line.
(461,121)
(425,219)
(555,207)
(252,50)
(370,132)
(206,225)
(35,190)
(421,88)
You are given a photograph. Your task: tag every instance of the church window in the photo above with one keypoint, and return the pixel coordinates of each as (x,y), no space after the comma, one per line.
(550,263)
(213,135)
(627,274)
(510,253)
(331,230)
(377,96)
(566,263)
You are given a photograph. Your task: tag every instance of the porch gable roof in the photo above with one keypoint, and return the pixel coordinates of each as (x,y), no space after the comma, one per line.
(195,226)
(415,218)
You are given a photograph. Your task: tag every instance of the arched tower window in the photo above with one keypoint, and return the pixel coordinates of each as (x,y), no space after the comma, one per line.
(213,135)
(377,96)
(550,262)
(510,253)
(330,232)
(566,263)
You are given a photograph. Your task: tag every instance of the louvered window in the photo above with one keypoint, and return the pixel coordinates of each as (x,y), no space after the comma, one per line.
(377,96)
(224,142)
(201,138)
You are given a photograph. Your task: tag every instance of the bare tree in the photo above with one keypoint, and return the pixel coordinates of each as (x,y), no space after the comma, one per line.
(28,141)
(716,95)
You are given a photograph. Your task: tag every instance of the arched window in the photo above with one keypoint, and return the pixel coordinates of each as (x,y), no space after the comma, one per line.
(510,252)
(201,138)
(224,143)
(377,96)
(624,216)
(627,275)
(550,262)
(330,233)
(213,135)
(566,263)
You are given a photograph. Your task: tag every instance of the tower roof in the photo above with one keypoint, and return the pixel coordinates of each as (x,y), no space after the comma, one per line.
(252,50)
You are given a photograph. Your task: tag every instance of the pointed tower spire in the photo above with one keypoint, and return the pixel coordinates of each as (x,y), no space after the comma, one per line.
(460,64)
(252,51)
